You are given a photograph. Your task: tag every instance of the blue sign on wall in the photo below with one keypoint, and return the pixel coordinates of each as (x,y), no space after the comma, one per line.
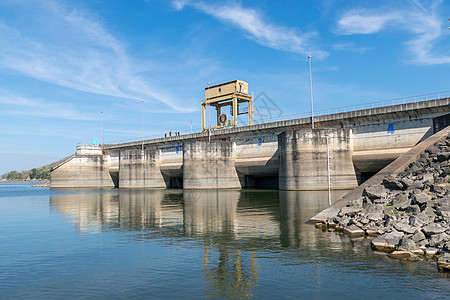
(177,148)
(391,128)
(259,141)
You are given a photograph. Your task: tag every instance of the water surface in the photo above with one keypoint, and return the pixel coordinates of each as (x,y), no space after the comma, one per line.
(134,244)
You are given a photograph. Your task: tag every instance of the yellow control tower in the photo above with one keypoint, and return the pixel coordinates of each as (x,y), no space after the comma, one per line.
(231,94)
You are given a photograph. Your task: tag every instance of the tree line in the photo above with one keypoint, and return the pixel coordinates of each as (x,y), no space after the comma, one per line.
(40,173)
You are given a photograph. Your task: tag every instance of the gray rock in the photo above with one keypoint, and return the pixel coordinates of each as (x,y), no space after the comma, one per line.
(445,214)
(431,251)
(391,183)
(427,177)
(407,244)
(421,199)
(399,199)
(375,216)
(356,202)
(419,220)
(406,182)
(403,255)
(437,239)
(415,185)
(444,262)
(429,212)
(433,150)
(431,229)
(405,204)
(373,208)
(354,231)
(415,209)
(437,189)
(418,236)
(405,228)
(443,156)
(375,192)
(387,242)
(439,180)
(349,211)
(443,203)
(389,220)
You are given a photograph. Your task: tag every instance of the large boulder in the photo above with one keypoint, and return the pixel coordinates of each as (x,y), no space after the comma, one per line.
(421,198)
(403,255)
(437,239)
(354,231)
(349,211)
(387,242)
(403,227)
(407,244)
(375,192)
(431,229)
(443,156)
(391,183)
(444,262)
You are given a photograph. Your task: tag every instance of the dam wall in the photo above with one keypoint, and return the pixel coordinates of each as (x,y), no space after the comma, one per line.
(278,155)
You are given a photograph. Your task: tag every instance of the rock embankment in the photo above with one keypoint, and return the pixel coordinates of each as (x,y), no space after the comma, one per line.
(409,212)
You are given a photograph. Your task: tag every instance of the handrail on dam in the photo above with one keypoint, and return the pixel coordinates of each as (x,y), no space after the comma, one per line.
(349,108)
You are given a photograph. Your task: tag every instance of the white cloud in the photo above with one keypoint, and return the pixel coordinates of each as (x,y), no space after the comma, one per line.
(359,21)
(71,49)
(13,104)
(252,23)
(423,23)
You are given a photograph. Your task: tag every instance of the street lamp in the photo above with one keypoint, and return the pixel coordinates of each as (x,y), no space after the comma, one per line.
(209,116)
(310,85)
(142,108)
(101,126)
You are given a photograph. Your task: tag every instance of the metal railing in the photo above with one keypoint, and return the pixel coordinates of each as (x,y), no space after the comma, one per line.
(349,108)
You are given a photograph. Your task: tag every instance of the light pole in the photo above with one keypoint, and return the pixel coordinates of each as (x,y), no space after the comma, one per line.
(209,117)
(142,109)
(101,126)
(310,86)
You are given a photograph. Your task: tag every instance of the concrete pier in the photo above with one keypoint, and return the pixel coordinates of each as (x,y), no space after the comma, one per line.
(141,169)
(210,165)
(304,158)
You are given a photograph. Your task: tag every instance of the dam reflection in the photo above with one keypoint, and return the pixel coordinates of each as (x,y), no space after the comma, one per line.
(229,226)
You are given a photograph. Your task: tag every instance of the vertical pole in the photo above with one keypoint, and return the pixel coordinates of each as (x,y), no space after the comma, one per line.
(329,170)
(142,106)
(209,117)
(310,85)
(191,126)
(250,111)
(235,111)
(101,126)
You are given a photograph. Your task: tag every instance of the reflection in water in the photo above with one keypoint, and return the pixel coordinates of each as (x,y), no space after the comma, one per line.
(197,244)
(297,207)
(230,226)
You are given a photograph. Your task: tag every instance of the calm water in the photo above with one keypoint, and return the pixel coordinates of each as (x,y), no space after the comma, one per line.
(134,244)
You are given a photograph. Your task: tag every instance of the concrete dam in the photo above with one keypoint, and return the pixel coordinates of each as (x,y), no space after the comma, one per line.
(344,150)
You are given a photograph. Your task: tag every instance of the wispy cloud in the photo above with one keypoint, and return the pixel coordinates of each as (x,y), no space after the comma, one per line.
(76,52)
(13,104)
(256,28)
(424,23)
(350,47)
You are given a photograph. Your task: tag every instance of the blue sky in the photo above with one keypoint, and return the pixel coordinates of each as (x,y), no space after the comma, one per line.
(64,62)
